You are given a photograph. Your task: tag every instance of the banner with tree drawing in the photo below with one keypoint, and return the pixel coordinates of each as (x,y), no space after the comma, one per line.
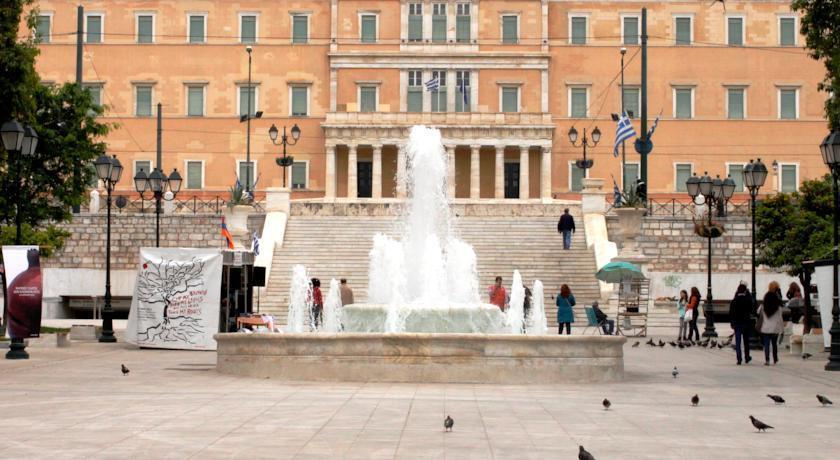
(176,299)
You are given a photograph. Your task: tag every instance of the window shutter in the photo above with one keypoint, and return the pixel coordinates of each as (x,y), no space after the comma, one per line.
(683,103)
(439,23)
(193,175)
(788,178)
(415,22)
(787,31)
(631,173)
(196,101)
(243,100)
(145,33)
(196,29)
(736,29)
(509,99)
(299,101)
(578,103)
(144,101)
(577,179)
(462,29)
(42,29)
(94,29)
(683,173)
(299,175)
(631,31)
(246,174)
(368,28)
(736,172)
(144,165)
(509,31)
(300,29)
(631,101)
(736,104)
(579,31)
(788,103)
(368,99)
(683,31)
(249,29)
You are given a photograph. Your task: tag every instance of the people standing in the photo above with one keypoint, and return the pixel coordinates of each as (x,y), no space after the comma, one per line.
(796,303)
(346,293)
(565,315)
(770,317)
(317,303)
(740,310)
(526,307)
(693,309)
(498,294)
(566,226)
(682,303)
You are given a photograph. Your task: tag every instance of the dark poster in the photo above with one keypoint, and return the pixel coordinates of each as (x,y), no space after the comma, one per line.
(23,290)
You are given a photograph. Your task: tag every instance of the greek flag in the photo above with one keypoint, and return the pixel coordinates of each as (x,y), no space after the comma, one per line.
(462,87)
(653,128)
(623,132)
(255,244)
(433,84)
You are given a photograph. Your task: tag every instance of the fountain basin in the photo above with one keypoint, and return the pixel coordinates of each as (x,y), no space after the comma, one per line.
(447,319)
(428,358)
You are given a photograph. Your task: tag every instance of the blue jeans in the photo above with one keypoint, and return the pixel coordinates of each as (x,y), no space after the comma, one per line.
(567,239)
(608,326)
(742,334)
(770,341)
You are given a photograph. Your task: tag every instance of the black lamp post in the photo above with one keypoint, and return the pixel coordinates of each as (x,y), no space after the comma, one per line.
(285,161)
(714,192)
(584,164)
(754,176)
(20,140)
(830,149)
(158,183)
(109,171)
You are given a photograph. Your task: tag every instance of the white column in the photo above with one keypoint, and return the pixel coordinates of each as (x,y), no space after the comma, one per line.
(329,180)
(401,171)
(524,183)
(352,173)
(545,174)
(377,171)
(500,172)
(450,171)
(475,172)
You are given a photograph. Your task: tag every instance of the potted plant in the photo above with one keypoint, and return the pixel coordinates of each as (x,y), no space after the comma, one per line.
(239,207)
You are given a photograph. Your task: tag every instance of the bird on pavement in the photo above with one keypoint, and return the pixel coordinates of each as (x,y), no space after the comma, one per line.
(125,370)
(675,372)
(606,404)
(761,426)
(661,344)
(635,345)
(806,355)
(695,400)
(824,401)
(448,423)
(650,342)
(777,399)
(584,455)
(681,346)
(720,346)
(673,344)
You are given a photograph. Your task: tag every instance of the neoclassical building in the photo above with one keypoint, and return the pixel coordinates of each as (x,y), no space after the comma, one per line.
(504,80)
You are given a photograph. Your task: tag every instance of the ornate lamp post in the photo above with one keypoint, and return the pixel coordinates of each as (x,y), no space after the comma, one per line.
(158,183)
(109,171)
(754,176)
(584,164)
(285,161)
(830,149)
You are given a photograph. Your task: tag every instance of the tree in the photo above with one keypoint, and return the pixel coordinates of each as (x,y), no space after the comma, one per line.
(820,24)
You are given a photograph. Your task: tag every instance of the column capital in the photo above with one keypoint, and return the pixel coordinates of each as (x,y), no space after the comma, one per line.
(525,148)
(545,149)
(449,147)
(500,149)
(351,147)
(475,147)
(376,147)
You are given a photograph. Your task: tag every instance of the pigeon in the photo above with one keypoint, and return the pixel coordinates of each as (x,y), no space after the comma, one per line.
(675,372)
(606,404)
(674,344)
(695,400)
(777,399)
(661,344)
(806,355)
(584,455)
(650,342)
(720,346)
(635,345)
(761,426)
(125,370)
(448,423)
(824,401)
(681,346)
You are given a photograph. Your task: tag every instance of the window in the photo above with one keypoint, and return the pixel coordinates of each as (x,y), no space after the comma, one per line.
(683,172)
(439,95)
(245,100)
(735,103)
(247,174)
(367,98)
(368,28)
(462,94)
(142,165)
(788,103)
(43,27)
(575,177)
(145,28)
(631,101)
(735,31)
(510,29)
(629,175)
(300,101)
(577,27)
(683,103)
(439,22)
(195,175)
(248,30)
(510,99)
(788,178)
(94,27)
(197,28)
(630,30)
(463,23)
(95,93)
(195,101)
(415,22)
(787,31)
(578,103)
(736,173)
(299,174)
(300,28)
(414,98)
(683,30)
(143,101)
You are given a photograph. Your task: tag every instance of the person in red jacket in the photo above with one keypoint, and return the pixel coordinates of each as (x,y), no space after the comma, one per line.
(694,307)
(317,303)
(498,294)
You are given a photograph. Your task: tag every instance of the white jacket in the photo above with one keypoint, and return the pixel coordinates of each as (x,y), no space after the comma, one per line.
(772,324)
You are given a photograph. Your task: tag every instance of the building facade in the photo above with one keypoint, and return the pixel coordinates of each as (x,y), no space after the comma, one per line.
(504,80)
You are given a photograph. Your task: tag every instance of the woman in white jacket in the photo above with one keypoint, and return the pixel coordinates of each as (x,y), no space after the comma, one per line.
(771,322)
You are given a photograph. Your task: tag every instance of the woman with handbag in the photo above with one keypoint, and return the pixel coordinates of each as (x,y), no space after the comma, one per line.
(681,304)
(739,318)
(770,323)
(692,312)
(565,315)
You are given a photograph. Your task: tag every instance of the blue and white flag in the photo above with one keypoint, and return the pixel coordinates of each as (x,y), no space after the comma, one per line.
(623,132)
(255,244)
(653,128)
(433,84)
(462,87)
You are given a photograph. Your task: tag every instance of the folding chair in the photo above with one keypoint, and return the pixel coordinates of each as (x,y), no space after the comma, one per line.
(592,321)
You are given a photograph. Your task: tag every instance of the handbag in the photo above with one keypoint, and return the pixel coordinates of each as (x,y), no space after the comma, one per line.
(759,321)
(689,314)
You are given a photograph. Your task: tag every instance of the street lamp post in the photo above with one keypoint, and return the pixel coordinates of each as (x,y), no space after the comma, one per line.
(623,152)
(830,149)
(584,164)
(158,183)
(285,161)
(109,171)
(754,176)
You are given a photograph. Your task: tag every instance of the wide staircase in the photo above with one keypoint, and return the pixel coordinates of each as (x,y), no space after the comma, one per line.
(338,246)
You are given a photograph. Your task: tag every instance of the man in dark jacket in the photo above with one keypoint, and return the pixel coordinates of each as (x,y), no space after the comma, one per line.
(566,226)
(606,324)
(740,310)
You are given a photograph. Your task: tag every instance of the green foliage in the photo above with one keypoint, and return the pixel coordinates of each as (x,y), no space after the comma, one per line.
(631,199)
(49,238)
(18,78)
(794,227)
(672,281)
(237,195)
(820,25)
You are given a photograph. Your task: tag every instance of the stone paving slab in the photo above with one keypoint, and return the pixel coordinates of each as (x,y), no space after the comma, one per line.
(74,403)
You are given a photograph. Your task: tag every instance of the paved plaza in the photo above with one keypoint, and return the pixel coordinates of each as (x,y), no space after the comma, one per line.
(75,403)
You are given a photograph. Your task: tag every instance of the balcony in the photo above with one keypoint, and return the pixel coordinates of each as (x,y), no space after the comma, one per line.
(443,119)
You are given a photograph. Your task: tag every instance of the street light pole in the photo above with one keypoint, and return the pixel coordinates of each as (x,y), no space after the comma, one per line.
(109,171)
(585,164)
(830,149)
(158,183)
(248,128)
(623,152)
(285,161)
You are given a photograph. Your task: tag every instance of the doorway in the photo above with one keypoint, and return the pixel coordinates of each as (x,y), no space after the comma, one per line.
(512,180)
(365,179)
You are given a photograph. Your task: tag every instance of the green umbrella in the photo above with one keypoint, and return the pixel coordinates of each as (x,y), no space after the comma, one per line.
(615,272)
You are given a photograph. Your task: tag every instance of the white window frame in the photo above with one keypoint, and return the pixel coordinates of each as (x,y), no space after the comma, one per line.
(674,18)
(308,16)
(151,165)
(136,86)
(239,87)
(518,87)
(622,17)
(779,90)
(726,89)
(674,89)
(586,33)
(187,174)
(376,94)
(502,27)
(306,86)
(137,15)
(49,32)
(90,85)
(203,87)
(681,163)
(239,16)
(795,29)
(636,115)
(196,13)
(743,18)
(242,179)
(572,166)
(306,181)
(569,94)
(638,172)
(735,163)
(779,175)
(101,14)
(376,32)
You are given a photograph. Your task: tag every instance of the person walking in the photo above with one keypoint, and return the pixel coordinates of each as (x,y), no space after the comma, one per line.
(770,319)
(740,309)
(681,304)
(346,293)
(498,294)
(565,315)
(693,309)
(566,226)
